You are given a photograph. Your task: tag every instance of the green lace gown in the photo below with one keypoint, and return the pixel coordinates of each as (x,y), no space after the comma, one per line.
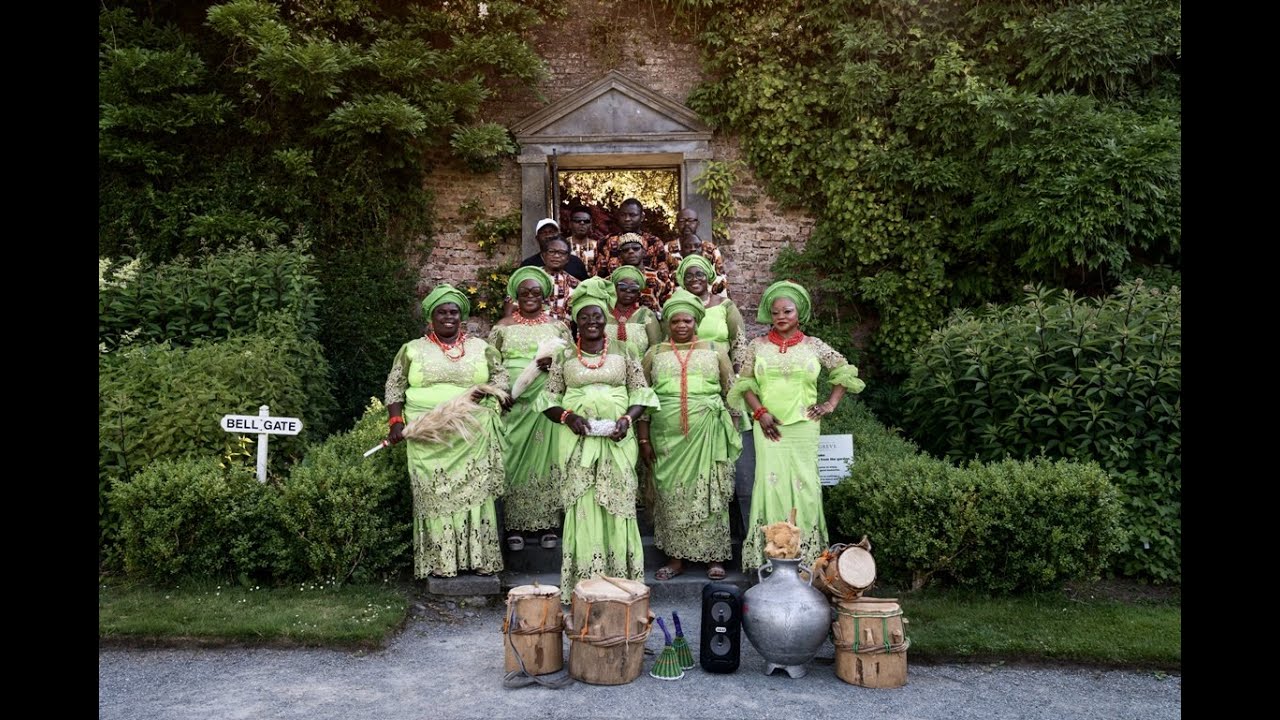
(455,524)
(643,330)
(787,470)
(693,472)
(597,476)
(532,500)
(723,325)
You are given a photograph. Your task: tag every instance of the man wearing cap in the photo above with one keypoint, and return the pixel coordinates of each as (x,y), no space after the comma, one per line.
(546,230)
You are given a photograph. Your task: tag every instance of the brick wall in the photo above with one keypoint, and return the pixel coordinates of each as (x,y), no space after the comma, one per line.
(636,39)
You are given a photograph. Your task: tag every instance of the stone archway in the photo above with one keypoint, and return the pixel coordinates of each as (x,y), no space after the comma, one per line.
(613,122)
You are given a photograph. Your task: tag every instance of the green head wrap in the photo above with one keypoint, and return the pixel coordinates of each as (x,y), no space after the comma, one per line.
(593,291)
(784,289)
(446,293)
(697,261)
(627,272)
(683,301)
(529,273)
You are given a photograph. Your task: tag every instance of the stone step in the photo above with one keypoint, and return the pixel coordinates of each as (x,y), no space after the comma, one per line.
(536,559)
(682,588)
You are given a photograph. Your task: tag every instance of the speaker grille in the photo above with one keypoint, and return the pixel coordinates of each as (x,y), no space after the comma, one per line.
(720,648)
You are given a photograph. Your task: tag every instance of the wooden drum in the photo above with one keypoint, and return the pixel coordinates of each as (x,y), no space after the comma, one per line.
(608,624)
(871,643)
(533,629)
(844,572)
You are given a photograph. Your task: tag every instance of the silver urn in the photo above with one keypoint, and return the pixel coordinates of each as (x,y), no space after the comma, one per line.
(786,619)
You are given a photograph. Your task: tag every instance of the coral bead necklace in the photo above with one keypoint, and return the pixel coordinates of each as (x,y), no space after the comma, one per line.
(604,355)
(459,344)
(783,343)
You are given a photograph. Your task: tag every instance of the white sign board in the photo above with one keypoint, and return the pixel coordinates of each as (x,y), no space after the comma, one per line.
(835,455)
(255,425)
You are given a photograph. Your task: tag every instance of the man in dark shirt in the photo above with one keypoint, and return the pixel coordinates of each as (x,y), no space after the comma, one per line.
(548,229)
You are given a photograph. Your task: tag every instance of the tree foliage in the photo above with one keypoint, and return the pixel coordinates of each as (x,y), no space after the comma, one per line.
(954,150)
(237,121)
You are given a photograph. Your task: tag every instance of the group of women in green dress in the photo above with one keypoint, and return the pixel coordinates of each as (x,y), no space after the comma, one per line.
(633,392)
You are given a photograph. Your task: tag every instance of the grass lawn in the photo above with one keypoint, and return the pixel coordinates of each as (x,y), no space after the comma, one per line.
(203,612)
(1091,624)
(1063,627)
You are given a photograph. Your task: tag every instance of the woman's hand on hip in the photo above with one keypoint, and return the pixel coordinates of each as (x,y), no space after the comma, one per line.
(817,411)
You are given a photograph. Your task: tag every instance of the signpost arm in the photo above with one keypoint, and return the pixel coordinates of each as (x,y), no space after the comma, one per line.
(263,411)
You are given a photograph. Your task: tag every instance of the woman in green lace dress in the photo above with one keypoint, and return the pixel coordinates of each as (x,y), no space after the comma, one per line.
(597,380)
(628,320)
(779,387)
(723,322)
(690,441)
(455,524)
(532,500)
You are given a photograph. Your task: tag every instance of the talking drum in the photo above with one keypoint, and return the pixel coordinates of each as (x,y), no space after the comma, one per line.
(532,630)
(844,572)
(608,624)
(871,643)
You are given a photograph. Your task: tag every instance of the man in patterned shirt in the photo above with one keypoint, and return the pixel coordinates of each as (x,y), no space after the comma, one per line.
(582,241)
(630,216)
(689,242)
(658,283)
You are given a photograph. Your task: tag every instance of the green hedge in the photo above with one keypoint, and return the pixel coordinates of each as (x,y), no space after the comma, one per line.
(197,516)
(1002,527)
(1090,380)
(220,295)
(337,516)
(158,401)
(347,517)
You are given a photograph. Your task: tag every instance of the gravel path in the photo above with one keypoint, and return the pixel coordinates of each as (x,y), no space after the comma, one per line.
(448,664)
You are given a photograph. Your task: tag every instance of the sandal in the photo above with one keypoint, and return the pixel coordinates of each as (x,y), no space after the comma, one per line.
(716,572)
(666,572)
(515,543)
(549,541)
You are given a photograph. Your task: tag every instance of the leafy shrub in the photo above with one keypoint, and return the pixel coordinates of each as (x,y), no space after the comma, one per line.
(196,516)
(158,401)
(1068,378)
(951,151)
(1002,527)
(345,516)
(368,313)
(488,292)
(483,147)
(871,438)
(220,295)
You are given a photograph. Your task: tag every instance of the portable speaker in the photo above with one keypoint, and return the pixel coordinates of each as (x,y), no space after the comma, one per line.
(721,644)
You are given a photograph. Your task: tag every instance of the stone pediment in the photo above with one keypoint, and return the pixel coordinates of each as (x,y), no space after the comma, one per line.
(612,109)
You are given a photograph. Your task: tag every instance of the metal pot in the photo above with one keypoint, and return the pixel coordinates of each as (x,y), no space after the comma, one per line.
(786,619)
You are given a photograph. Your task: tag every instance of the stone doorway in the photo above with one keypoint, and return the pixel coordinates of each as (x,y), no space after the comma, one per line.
(613,124)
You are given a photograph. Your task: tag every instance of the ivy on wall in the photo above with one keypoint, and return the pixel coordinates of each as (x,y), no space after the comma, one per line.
(954,150)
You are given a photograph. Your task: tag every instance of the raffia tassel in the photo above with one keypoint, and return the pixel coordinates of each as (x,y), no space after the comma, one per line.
(459,417)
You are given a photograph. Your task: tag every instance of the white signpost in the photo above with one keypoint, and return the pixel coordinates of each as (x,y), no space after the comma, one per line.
(263,426)
(835,455)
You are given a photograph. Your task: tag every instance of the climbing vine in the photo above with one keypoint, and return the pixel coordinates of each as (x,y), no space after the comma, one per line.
(953,150)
